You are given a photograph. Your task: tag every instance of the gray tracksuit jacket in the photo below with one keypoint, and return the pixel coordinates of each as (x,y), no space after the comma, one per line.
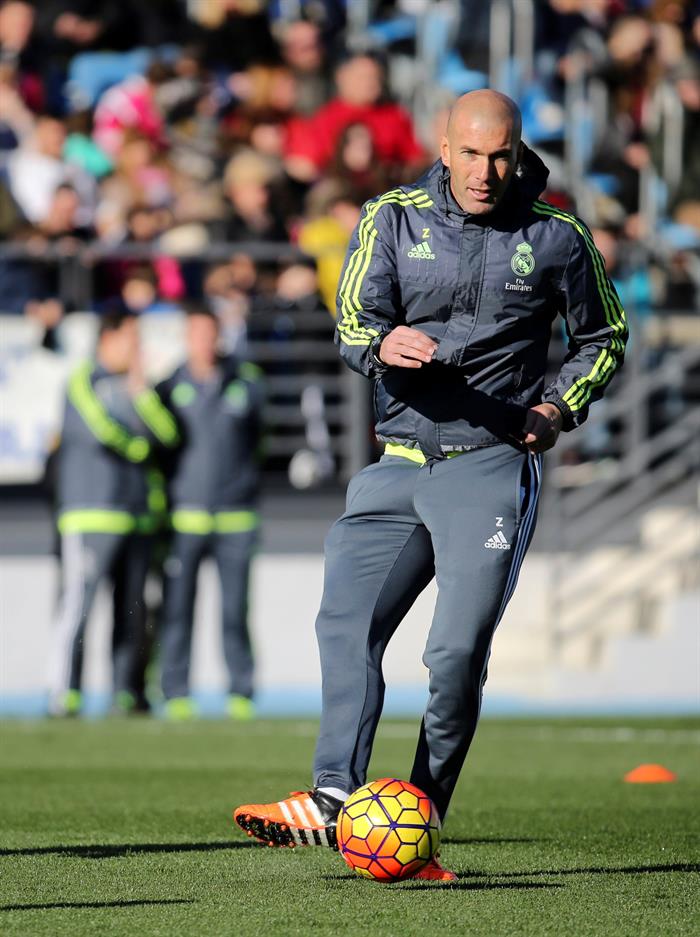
(216,467)
(106,470)
(487,289)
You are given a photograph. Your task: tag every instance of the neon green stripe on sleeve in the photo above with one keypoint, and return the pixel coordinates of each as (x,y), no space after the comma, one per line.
(578,395)
(157,417)
(349,328)
(614,313)
(82,395)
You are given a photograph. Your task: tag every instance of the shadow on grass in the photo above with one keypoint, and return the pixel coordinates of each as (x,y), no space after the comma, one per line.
(93,904)
(491,840)
(687,867)
(464,885)
(115,850)
(460,885)
(482,886)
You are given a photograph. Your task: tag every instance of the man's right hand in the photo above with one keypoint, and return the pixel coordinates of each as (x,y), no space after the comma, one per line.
(405,347)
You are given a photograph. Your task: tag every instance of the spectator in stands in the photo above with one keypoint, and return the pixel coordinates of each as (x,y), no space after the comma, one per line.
(297,297)
(131,105)
(16,119)
(21,54)
(303,52)
(18,280)
(230,290)
(72,26)
(356,164)
(629,271)
(139,292)
(112,424)
(266,97)
(16,28)
(30,283)
(630,74)
(144,227)
(142,177)
(213,489)
(686,82)
(234,33)
(360,99)
(36,169)
(252,214)
(81,150)
(331,217)
(63,223)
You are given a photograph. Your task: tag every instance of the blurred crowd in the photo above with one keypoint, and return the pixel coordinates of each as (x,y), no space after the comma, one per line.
(144,137)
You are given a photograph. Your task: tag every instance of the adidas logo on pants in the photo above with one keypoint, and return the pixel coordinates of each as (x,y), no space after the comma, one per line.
(497,542)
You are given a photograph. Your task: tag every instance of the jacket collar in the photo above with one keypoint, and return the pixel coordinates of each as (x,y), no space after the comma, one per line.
(226,371)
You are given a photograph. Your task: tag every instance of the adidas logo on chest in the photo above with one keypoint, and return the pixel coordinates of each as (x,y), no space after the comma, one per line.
(421,251)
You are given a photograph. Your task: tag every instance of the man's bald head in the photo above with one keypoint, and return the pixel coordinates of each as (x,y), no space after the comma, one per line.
(484,107)
(481,148)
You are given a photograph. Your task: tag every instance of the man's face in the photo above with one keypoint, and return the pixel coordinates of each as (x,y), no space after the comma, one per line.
(202,339)
(301,47)
(481,154)
(50,135)
(120,347)
(359,81)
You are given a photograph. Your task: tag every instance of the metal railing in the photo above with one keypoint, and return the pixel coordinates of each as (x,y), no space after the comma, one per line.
(294,349)
(511,40)
(656,415)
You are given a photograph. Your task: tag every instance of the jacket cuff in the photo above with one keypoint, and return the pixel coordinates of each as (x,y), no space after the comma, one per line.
(377,366)
(568,422)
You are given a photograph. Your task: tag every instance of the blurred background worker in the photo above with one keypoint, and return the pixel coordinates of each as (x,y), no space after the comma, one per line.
(213,486)
(105,511)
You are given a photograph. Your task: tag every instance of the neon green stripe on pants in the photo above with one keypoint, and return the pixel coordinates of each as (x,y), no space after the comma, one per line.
(96,521)
(192,522)
(236,522)
(187,521)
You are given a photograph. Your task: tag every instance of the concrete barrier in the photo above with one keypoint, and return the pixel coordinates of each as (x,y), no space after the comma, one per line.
(635,671)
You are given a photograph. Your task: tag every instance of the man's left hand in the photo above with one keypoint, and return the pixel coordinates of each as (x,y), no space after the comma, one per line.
(542,427)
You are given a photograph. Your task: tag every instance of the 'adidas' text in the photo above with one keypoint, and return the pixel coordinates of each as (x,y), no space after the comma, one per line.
(497,542)
(422,251)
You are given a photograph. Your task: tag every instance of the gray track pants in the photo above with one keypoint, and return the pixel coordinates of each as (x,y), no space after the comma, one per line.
(86,559)
(467,520)
(232,553)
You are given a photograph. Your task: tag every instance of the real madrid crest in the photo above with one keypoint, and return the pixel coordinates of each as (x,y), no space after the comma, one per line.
(522,263)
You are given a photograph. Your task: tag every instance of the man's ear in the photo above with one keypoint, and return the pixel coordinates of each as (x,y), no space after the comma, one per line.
(445,152)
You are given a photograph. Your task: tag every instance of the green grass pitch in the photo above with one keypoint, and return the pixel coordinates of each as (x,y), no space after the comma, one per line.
(123,828)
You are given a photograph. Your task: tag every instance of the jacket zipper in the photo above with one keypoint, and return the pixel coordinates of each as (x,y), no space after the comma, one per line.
(477,304)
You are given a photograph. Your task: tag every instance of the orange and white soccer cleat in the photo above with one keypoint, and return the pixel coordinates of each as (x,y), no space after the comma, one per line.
(305,818)
(434,872)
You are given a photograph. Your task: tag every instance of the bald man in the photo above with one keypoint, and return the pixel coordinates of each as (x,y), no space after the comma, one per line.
(446,302)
